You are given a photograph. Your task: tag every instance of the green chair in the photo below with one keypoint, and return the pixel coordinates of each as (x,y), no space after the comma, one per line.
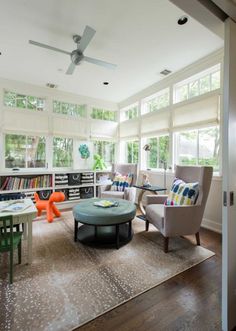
(9,240)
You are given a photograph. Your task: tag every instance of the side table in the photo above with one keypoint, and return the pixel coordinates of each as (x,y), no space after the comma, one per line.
(152,188)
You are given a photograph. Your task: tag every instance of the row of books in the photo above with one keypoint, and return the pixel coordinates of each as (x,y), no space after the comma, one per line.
(21,183)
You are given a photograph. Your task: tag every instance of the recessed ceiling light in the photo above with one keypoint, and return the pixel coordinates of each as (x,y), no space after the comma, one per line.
(165,72)
(51,85)
(105,83)
(182,20)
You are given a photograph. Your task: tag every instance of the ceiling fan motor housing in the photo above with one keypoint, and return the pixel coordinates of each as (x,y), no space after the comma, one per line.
(76,56)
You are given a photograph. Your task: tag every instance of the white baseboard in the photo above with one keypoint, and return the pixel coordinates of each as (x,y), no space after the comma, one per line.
(211,225)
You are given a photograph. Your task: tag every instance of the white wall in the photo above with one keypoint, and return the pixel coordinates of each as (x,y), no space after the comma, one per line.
(212,218)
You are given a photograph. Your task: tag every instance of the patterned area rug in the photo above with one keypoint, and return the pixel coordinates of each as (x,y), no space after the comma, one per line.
(69,284)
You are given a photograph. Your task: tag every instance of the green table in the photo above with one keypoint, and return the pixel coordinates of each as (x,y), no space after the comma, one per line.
(104,226)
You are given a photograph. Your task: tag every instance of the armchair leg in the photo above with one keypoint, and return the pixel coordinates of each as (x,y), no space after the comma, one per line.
(166,244)
(19,252)
(197,235)
(147,225)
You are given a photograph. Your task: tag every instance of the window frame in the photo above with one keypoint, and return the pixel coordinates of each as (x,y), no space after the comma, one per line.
(52,146)
(68,115)
(197,77)
(113,160)
(198,129)
(126,150)
(103,111)
(25,169)
(146,157)
(123,111)
(159,94)
(38,111)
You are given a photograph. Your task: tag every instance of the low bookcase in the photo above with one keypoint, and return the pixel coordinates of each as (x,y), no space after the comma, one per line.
(75,184)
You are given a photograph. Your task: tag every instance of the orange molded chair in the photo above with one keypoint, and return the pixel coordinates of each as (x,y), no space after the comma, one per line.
(48,205)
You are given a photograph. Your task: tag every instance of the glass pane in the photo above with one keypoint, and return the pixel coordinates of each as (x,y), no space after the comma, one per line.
(64,108)
(62,152)
(153,153)
(204,84)
(163,151)
(36,152)
(21,101)
(9,99)
(82,110)
(132,112)
(106,150)
(32,102)
(15,151)
(209,145)
(72,109)
(106,115)
(56,106)
(40,104)
(132,151)
(187,148)
(112,115)
(181,93)
(94,113)
(194,89)
(215,80)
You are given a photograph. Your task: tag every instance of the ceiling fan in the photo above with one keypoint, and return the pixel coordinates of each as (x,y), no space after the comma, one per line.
(77,55)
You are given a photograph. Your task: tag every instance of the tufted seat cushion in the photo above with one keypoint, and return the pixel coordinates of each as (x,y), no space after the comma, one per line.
(155,215)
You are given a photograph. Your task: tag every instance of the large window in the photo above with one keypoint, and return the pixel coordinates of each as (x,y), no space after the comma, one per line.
(62,152)
(203,82)
(156,101)
(198,147)
(16,100)
(102,114)
(71,109)
(132,151)
(129,112)
(158,155)
(106,150)
(25,151)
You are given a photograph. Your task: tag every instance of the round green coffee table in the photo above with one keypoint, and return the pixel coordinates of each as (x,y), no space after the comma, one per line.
(104,226)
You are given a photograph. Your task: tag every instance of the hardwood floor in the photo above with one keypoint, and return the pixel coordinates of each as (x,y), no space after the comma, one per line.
(190,301)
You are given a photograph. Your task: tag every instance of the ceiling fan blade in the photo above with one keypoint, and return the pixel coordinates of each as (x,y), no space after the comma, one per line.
(100,63)
(48,47)
(86,38)
(70,69)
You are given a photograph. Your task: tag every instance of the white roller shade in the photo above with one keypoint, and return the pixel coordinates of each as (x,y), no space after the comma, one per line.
(69,127)
(155,122)
(103,129)
(129,128)
(25,121)
(197,113)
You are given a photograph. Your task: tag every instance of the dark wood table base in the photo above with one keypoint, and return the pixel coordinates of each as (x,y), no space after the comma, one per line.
(104,236)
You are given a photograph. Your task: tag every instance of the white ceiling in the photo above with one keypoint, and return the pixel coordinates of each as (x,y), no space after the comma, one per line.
(140,36)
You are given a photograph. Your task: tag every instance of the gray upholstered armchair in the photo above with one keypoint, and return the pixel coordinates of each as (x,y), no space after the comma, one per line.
(180,220)
(129,192)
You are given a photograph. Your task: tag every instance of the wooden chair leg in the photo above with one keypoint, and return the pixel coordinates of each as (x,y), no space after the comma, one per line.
(19,252)
(166,244)
(147,225)
(11,265)
(197,235)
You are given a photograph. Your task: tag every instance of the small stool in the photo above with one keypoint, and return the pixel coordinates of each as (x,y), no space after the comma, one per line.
(49,205)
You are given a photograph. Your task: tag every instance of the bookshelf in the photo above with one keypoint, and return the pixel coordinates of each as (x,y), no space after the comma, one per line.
(76,184)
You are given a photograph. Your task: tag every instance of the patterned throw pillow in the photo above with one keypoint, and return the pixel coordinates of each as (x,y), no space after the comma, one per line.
(182,193)
(120,182)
